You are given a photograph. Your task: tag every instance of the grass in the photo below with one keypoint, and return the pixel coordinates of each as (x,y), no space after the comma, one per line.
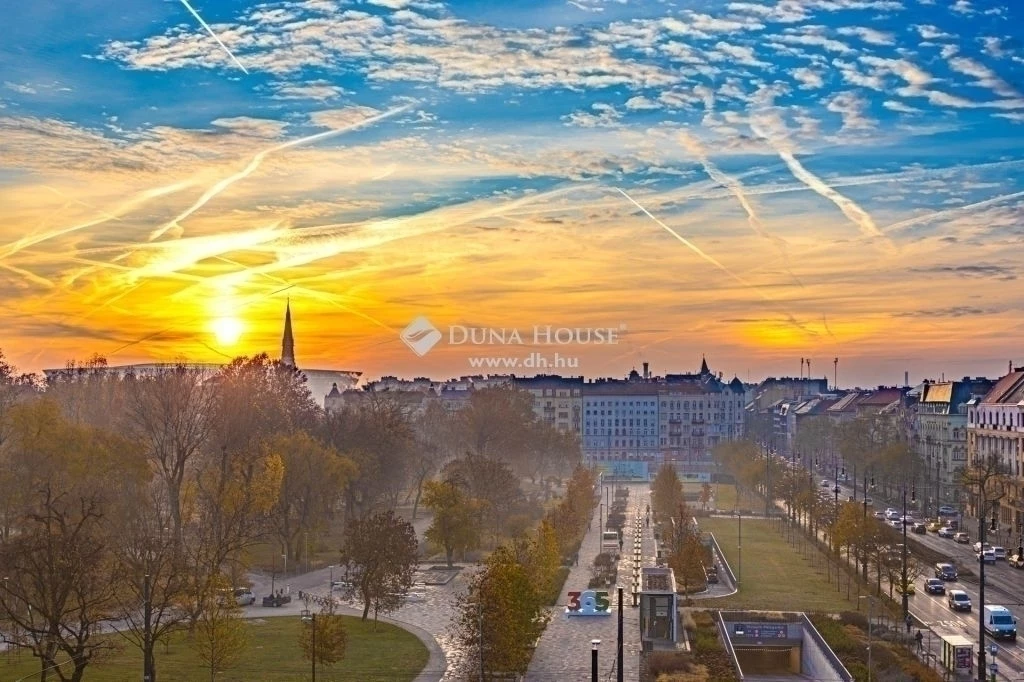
(775,577)
(273,655)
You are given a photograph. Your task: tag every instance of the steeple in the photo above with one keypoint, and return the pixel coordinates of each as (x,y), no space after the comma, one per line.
(287,342)
(704,366)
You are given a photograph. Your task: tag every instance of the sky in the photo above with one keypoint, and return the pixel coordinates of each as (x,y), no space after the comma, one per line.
(757,182)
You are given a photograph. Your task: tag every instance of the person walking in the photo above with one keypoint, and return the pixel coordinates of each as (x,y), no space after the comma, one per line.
(910,622)
(920,638)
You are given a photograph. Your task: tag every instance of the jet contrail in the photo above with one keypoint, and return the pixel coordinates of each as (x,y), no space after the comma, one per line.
(256,160)
(849,208)
(734,186)
(214,35)
(937,215)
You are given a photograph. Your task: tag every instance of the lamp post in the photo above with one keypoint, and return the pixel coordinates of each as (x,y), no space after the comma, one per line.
(331,588)
(739,547)
(594,643)
(981,582)
(871,602)
(767,479)
(308,617)
(903,571)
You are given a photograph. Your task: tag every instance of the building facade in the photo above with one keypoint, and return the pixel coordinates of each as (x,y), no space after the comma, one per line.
(995,430)
(557,400)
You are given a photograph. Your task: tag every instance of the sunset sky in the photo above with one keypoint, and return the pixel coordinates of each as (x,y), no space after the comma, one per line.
(756,181)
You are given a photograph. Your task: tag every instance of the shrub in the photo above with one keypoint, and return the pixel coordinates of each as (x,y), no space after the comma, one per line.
(667,662)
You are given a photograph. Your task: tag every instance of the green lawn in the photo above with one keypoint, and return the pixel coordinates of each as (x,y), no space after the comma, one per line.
(273,654)
(775,577)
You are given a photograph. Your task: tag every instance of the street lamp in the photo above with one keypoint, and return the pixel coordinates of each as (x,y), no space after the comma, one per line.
(594,643)
(903,572)
(739,546)
(331,590)
(308,617)
(871,601)
(981,581)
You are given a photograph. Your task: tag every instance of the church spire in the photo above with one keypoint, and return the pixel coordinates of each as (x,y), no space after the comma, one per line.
(704,366)
(287,342)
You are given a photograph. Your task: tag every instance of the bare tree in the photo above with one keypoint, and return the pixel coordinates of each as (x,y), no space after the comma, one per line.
(169,415)
(380,558)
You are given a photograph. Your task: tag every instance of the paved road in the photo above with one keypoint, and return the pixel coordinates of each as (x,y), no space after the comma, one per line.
(564,650)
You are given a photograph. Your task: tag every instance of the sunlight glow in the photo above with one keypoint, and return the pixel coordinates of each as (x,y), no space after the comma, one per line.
(226,330)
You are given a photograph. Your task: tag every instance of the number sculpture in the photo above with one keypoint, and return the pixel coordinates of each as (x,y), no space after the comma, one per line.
(588,603)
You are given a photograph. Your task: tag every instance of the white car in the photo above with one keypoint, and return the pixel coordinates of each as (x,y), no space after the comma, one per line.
(1000,553)
(978,547)
(825,483)
(244,596)
(987,556)
(946,532)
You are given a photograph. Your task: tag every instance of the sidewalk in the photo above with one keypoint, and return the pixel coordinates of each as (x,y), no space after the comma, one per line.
(564,650)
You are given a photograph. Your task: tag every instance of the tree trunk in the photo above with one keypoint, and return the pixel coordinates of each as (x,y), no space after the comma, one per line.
(448,555)
(419,493)
(366,609)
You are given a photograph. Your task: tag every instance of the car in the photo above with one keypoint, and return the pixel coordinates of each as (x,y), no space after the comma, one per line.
(919,528)
(1000,553)
(244,596)
(978,546)
(958,600)
(825,483)
(987,556)
(935,526)
(868,502)
(946,510)
(879,514)
(934,586)
(945,571)
(1017,561)
(961,537)
(907,587)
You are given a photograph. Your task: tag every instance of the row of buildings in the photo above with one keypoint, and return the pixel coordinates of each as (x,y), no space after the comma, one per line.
(948,424)
(627,425)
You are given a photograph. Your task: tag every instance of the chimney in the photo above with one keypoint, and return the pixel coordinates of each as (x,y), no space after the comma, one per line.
(647,374)
(906,378)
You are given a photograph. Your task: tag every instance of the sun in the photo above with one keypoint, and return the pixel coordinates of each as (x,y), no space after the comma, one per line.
(227,330)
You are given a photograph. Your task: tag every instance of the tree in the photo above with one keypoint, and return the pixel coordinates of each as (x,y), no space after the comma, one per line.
(454,526)
(323,637)
(220,636)
(434,431)
(493,484)
(380,557)
(501,615)
(314,475)
(496,422)
(58,586)
(666,493)
(705,496)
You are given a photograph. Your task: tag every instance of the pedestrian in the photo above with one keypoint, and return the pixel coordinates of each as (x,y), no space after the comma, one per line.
(909,621)
(920,638)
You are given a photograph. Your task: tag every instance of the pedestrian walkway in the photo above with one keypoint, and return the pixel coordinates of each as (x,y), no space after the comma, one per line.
(564,650)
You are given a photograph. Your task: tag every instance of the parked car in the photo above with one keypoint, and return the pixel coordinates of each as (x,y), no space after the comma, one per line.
(961,537)
(1000,553)
(958,600)
(244,596)
(934,586)
(945,571)
(918,528)
(987,556)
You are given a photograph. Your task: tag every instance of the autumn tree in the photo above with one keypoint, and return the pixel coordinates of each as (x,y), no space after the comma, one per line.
(314,476)
(706,494)
(500,615)
(58,586)
(380,557)
(434,438)
(220,636)
(455,526)
(496,424)
(323,637)
(493,484)
(666,493)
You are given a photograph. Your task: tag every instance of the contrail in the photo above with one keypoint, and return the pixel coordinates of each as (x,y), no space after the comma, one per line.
(945,213)
(849,208)
(255,162)
(693,247)
(214,35)
(734,186)
(26,242)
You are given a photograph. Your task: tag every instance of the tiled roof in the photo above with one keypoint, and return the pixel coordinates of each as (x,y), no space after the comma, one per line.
(845,403)
(881,397)
(937,393)
(1008,390)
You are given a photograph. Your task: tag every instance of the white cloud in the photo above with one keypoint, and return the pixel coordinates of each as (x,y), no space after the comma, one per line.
(962,7)
(810,79)
(893,105)
(851,107)
(993,46)
(983,76)
(740,54)
(930,32)
(868,35)
(22,88)
(252,127)
(340,118)
(1014,116)
(315,90)
(391,4)
(640,103)
(606,116)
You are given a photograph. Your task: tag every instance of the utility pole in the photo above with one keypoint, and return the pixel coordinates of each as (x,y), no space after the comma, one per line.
(148,674)
(619,667)
(903,572)
(480,633)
